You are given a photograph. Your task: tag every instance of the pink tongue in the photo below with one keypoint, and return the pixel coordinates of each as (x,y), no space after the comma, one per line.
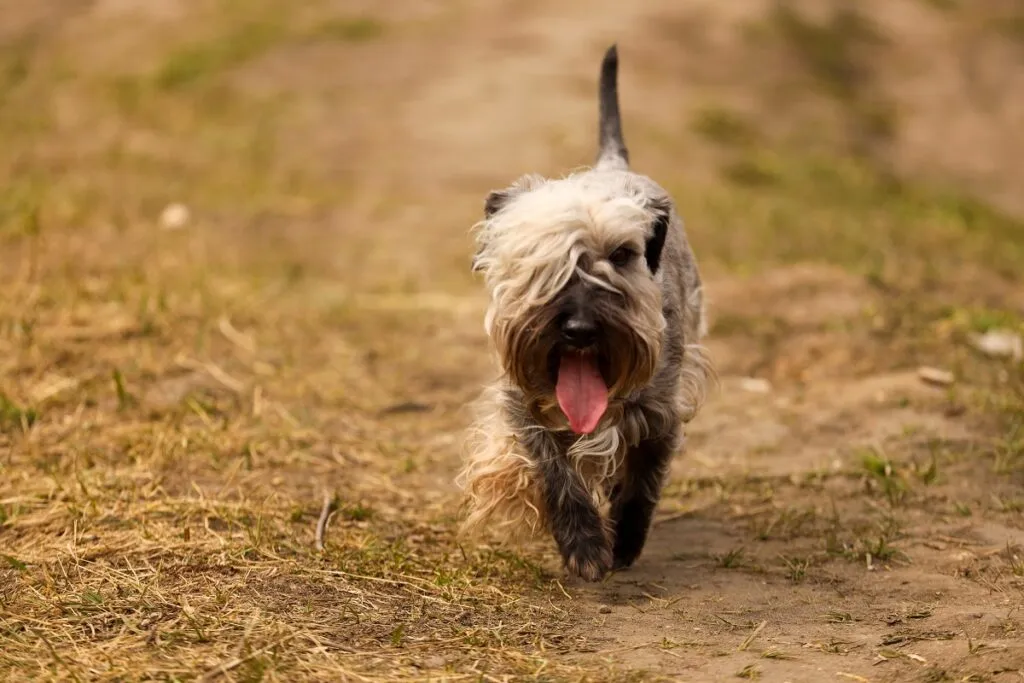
(581,392)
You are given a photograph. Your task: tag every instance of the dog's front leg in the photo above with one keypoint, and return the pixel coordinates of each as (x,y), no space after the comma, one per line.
(635,499)
(575,522)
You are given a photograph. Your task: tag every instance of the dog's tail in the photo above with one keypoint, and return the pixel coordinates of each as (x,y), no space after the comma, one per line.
(612,152)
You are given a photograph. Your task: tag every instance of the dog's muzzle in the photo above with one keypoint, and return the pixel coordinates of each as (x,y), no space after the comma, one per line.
(579,330)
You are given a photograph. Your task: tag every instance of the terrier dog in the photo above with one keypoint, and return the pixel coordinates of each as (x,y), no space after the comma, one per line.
(596,314)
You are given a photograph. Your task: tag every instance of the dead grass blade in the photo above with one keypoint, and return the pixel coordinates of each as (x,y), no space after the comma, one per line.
(750,639)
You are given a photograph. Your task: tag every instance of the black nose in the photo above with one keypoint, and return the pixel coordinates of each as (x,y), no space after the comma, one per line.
(579,331)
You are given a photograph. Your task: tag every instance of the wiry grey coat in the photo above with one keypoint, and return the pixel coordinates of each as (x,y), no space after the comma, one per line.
(608,243)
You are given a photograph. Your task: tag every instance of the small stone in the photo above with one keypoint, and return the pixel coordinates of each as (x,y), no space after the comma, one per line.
(954,410)
(435,662)
(999,344)
(942,378)
(51,386)
(174,217)
(605,609)
(755,385)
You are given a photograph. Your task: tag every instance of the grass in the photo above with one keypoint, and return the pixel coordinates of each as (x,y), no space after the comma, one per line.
(776,653)
(252,38)
(152,595)
(840,55)
(879,545)
(870,219)
(1011,26)
(731,559)
(880,470)
(724,127)
(194,63)
(750,672)
(176,403)
(14,67)
(942,5)
(357,29)
(797,568)
(833,50)
(1009,452)
(15,417)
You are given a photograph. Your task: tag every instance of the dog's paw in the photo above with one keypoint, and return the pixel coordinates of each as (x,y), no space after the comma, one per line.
(632,522)
(590,562)
(626,552)
(622,561)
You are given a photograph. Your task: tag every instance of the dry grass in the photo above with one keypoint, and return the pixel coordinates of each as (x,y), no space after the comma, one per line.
(177,403)
(159,505)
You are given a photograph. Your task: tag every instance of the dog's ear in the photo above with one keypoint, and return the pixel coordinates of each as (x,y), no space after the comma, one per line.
(496,200)
(662,212)
(499,199)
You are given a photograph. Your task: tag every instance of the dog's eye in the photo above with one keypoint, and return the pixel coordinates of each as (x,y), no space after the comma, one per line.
(621,257)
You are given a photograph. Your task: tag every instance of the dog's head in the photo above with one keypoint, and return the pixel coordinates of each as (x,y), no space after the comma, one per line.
(572,268)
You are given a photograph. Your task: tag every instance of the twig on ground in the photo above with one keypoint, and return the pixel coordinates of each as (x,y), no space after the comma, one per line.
(222,669)
(852,677)
(53,652)
(330,505)
(672,517)
(750,639)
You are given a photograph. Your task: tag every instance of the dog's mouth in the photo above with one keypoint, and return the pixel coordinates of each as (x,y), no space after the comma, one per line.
(581,386)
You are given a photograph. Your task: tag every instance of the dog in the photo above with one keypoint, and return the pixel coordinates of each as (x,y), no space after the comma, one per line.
(596,314)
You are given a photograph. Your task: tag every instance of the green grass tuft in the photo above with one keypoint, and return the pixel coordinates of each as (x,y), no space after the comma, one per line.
(14,416)
(832,51)
(724,127)
(355,30)
(196,63)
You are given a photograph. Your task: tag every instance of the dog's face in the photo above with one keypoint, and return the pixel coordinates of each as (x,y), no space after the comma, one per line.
(575,311)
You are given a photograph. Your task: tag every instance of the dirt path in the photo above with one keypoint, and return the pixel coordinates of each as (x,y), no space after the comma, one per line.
(769,476)
(775,517)
(741,579)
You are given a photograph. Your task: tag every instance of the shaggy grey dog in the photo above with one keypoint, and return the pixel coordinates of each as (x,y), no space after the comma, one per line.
(596,315)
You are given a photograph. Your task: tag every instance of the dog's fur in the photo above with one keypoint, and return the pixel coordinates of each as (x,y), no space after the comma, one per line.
(606,242)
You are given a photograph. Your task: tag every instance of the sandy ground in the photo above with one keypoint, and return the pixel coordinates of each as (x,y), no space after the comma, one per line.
(834,517)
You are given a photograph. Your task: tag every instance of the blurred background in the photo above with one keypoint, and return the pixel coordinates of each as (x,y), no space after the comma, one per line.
(234,252)
(825,130)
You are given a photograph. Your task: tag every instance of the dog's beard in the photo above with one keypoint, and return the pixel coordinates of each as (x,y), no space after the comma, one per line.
(561,384)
